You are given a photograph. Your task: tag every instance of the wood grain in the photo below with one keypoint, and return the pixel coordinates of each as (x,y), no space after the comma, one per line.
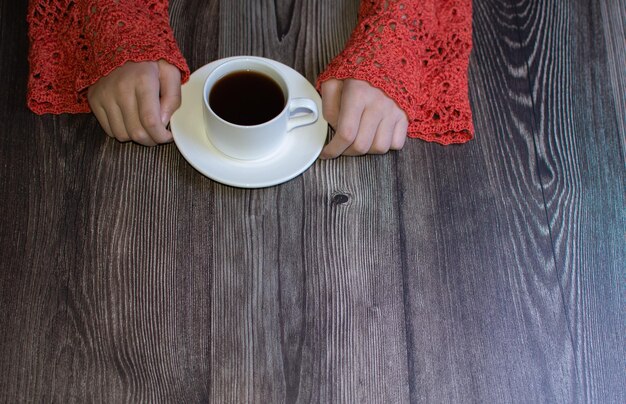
(488,272)
(307,301)
(484,309)
(581,166)
(613,16)
(32,283)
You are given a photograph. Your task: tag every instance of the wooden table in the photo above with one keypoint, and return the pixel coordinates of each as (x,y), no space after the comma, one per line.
(489,272)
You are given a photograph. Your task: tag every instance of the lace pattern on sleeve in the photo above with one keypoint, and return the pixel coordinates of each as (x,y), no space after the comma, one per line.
(76,42)
(417,52)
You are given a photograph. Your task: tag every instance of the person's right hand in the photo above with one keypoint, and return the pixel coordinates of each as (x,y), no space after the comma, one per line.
(136,101)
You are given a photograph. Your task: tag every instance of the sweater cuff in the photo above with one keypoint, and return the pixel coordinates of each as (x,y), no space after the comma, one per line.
(95,38)
(122,32)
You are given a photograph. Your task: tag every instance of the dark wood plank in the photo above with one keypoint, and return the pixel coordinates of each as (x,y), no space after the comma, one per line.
(141,263)
(33,279)
(304,312)
(613,17)
(581,165)
(307,300)
(485,316)
(196,25)
(316,32)
(105,257)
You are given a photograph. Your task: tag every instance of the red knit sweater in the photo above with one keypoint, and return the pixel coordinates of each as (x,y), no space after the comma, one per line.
(416,51)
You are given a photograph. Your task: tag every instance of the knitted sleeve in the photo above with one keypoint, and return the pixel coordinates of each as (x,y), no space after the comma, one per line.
(73,43)
(417,52)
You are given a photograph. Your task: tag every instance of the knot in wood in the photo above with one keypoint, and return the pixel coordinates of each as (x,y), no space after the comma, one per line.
(340,199)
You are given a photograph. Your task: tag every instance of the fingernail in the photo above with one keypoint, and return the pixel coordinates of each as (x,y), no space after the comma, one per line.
(164,119)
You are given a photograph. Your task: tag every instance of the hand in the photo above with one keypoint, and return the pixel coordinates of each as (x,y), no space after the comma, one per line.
(136,101)
(364,118)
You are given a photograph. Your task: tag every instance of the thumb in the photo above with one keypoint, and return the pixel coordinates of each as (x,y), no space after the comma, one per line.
(169,78)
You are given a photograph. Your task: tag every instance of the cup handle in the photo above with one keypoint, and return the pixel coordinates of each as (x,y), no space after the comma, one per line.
(298,105)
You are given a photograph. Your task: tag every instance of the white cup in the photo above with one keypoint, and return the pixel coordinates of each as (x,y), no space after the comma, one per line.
(254,141)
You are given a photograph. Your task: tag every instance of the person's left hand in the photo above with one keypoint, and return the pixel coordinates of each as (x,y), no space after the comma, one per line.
(365,120)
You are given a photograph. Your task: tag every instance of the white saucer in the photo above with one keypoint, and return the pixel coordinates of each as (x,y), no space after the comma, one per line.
(300,149)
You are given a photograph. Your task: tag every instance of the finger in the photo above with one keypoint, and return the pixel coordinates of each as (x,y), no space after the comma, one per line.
(149,114)
(169,78)
(399,134)
(116,122)
(348,123)
(331,100)
(370,121)
(99,111)
(132,122)
(384,136)
(103,119)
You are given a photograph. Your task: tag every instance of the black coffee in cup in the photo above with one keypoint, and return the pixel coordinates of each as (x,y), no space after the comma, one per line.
(246,98)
